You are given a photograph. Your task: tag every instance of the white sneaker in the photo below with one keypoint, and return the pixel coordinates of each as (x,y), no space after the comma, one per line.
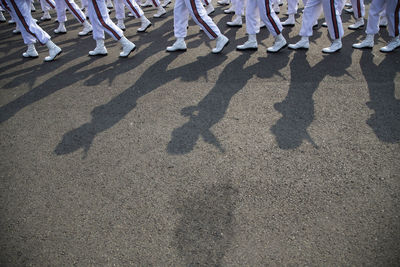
(289,22)
(166,3)
(145,24)
(367,43)
(222,41)
(146,4)
(302,44)
(179,45)
(383,22)
(46,16)
(127,47)
(359,24)
(121,24)
(335,46)
(210,9)
(280,42)
(230,10)
(392,45)
(87,28)
(31,52)
(100,49)
(224,2)
(160,12)
(237,22)
(54,51)
(61,29)
(250,44)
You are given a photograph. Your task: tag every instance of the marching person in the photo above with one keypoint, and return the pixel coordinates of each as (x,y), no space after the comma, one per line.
(195,8)
(61,6)
(263,9)
(98,14)
(134,9)
(392,14)
(311,13)
(31,32)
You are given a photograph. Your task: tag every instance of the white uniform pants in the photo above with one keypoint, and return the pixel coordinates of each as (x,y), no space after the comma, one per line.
(61,5)
(119,9)
(262,8)
(47,5)
(358,8)
(392,14)
(30,31)
(98,14)
(195,8)
(133,7)
(239,6)
(332,10)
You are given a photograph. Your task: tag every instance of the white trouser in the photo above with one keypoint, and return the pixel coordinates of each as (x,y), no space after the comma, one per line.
(332,10)
(84,3)
(358,8)
(207,2)
(98,14)
(239,6)
(47,5)
(262,8)
(156,3)
(119,9)
(134,8)
(195,8)
(392,14)
(72,7)
(21,11)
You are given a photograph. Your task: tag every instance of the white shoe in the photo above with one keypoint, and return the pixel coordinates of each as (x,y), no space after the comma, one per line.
(54,51)
(237,22)
(250,44)
(348,4)
(33,9)
(392,45)
(324,24)
(383,22)
(224,2)
(349,10)
(130,14)
(262,24)
(31,52)
(121,24)
(146,4)
(61,29)
(145,24)
(46,16)
(11,21)
(335,46)
(100,49)
(2,18)
(367,43)
(179,45)
(222,41)
(359,24)
(302,44)
(289,22)
(315,25)
(276,9)
(127,47)
(109,4)
(160,12)
(210,9)
(87,28)
(16,30)
(230,10)
(280,42)
(166,3)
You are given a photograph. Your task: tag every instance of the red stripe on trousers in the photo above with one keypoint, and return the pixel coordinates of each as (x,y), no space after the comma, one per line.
(50,4)
(359,8)
(334,21)
(201,21)
(96,8)
(396,19)
(155,3)
(271,19)
(132,8)
(74,11)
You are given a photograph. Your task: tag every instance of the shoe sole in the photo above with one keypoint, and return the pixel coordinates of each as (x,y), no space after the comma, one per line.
(177,50)
(273,52)
(30,56)
(247,49)
(98,55)
(45,19)
(288,25)
(389,51)
(358,28)
(59,53)
(364,47)
(234,26)
(133,49)
(145,28)
(60,32)
(332,52)
(160,15)
(300,48)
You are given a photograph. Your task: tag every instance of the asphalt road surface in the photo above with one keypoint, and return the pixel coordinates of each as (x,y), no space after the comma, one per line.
(196,159)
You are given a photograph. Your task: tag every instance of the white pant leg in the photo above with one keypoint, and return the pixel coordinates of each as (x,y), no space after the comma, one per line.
(30,31)
(332,18)
(393,16)
(75,10)
(156,3)
(252,17)
(119,9)
(49,4)
(98,14)
(84,3)
(269,17)
(375,9)
(61,11)
(358,8)
(134,8)
(292,7)
(239,7)
(181,15)
(311,13)
(199,15)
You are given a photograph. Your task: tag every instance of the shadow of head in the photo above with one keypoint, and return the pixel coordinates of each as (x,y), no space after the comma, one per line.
(78,138)
(205,229)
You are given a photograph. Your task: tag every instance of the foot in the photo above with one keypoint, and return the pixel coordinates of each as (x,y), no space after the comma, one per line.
(46,16)
(210,9)
(223,2)
(160,12)
(98,51)
(121,25)
(248,45)
(279,44)
(31,52)
(367,43)
(302,44)
(383,21)
(349,10)
(237,22)
(358,25)
(166,3)
(324,24)
(222,41)
(391,46)
(54,51)
(146,4)
(61,29)
(289,22)
(145,25)
(16,31)
(335,46)
(86,30)
(230,10)
(127,47)
(179,45)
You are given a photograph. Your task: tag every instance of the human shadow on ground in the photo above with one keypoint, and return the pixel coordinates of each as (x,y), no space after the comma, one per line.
(107,115)
(381,87)
(206,226)
(212,108)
